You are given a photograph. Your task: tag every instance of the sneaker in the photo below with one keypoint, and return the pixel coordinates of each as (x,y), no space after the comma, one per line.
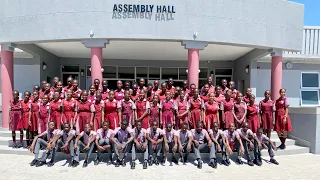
(228,161)
(156,161)
(164,159)
(33,162)
(150,162)
(71,163)
(239,161)
(123,163)
(145,164)
(250,163)
(117,163)
(14,146)
(257,162)
(133,165)
(96,162)
(109,162)
(199,164)
(174,160)
(40,163)
(19,146)
(85,164)
(224,162)
(75,163)
(273,161)
(50,164)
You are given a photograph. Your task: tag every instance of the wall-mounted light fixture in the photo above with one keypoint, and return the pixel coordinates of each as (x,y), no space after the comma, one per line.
(187,71)
(247,69)
(82,72)
(44,66)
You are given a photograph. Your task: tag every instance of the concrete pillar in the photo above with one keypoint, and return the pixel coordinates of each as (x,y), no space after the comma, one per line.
(276,74)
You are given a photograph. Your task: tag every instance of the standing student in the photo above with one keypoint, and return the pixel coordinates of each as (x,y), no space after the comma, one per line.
(135,94)
(233,89)
(166,110)
(111,111)
(55,83)
(91,94)
(127,87)
(239,111)
(155,139)
(34,115)
(126,109)
(105,91)
(44,140)
(224,86)
(202,142)
(217,137)
(96,84)
(155,89)
(204,95)
(55,110)
(176,93)
(44,114)
(226,107)
(85,110)
(69,84)
(267,108)
(140,144)
(247,137)
(43,88)
(211,88)
(233,140)
(170,144)
(24,121)
(76,91)
(141,85)
(191,92)
(14,118)
(170,86)
(119,92)
(194,107)
(181,108)
(246,98)
(64,141)
(47,88)
(154,111)
(103,142)
(185,87)
(35,88)
(261,142)
(149,93)
(283,122)
(210,112)
(69,113)
(162,91)
(98,116)
(142,109)
(86,144)
(218,97)
(184,139)
(253,117)
(59,89)
(122,138)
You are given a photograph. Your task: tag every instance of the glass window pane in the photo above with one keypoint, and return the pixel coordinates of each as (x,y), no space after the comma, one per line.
(109,72)
(183,75)
(309,97)
(88,71)
(126,72)
(169,73)
(223,71)
(219,79)
(310,80)
(70,69)
(154,73)
(142,72)
(202,83)
(203,73)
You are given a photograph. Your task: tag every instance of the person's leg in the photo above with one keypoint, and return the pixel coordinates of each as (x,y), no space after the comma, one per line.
(76,157)
(158,152)
(197,152)
(36,153)
(237,146)
(257,155)
(21,139)
(89,151)
(185,151)
(133,156)
(125,153)
(116,152)
(44,156)
(14,145)
(271,153)
(107,142)
(150,148)
(98,157)
(199,149)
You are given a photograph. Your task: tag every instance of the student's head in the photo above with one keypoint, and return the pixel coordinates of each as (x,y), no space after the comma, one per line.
(127,95)
(69,94)
(154,124)
(177,91)
(26,95)
(199,126)
(138,125)
(47,87)
(185,85)
(105,84)
(87,128)
(231,85)
(127,85)
(59,85)
(170,82)
(210,81)
(84,95)
(156,98)
(150,87)
(182,94)
(98,96)
(192,88)
(168,95)
(245,127)
(169,126)
(141,82)
(267,94)
(206,88)
(92,89)
(231,127)
(69,81)
(211,97)
(184,127)
(51,125)
(239,97)
(119,85)
(252,98)
(163,87)
(196,94)
(111,95)
(56,80)
(259,131)
(43,83)
(156,84)
(35,95)
(134,87)
(142,94)
(56,95)
(96,83)
(218,90)
(224,83)
(248,92)
(282,92)
(124,124)
(45,99)
(105,125)
(215,126)
(228,94)
(36,88)
(66,127)
(15,95)
(75,83)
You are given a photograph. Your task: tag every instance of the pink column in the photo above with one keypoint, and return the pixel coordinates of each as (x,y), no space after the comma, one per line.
(193,66)
(276,76)
(7,84)
(96,64)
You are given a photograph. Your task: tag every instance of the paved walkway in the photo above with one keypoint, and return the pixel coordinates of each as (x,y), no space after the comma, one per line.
(294,167)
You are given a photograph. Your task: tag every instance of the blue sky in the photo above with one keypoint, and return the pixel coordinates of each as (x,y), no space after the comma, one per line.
(311,12)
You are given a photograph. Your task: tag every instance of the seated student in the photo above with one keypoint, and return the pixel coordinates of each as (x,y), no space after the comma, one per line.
(184,138)
(202,142)
(169,143)
(44,140)
(262,141)
(140,144)
(65,141)
(88,137)
(246,136)
(217,136)
(103,142)
(232,140)
(155,138)
(122,138)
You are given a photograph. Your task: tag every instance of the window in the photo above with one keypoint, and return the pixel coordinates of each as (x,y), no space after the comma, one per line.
(309,89)
(223,72)
(154,73)
(309,97)
(183,75)
(126,72)
(309,80)
(169,73)
(203,73)
(109,72)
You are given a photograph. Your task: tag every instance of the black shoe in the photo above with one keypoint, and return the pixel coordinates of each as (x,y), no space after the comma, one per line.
(257,162)
(150,162)
(185,159)
(85,164)
(75,164)
(33,162)
(239,161)
(199,164)
(71,163)
(40,163)
(174,160)
(14,146)
(123,163)
(273,161)
(213,164)
(109,162)
(145,165)
(228,161)
(96,162)
(118,163)
(133,165)
(163,161)
(224,162)
(19,146)
(50,164)
(250,163)
(156,161)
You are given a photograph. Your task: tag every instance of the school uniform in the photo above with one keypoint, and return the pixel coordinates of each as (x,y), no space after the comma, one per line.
(69,109)
(204,97)
(111,113)
(167,108)
(142,106)
(162,96)
(219,98)
(119,94)
(149,96)
(218,136)
(227,107)
(248,134)
(234,93)
(76,94)
(103,138)
(49,94)
(81,144)
(105,94)
(184,139)
(194,105)
(84,109)
(170,142)
(44,113)
(181,107)
(265,140)
(233,142)
(253,117)
(154,113)
(97,120)
(62,141)
(246,99)
(134,97)
(282,129)
(15,115)
(121,136)
(267,107)
(239,110)
(211,89)
(172,89)
(203,144)
(140,136)
(155,135)
(142,88)
(91,97)
(24,122)
(66,88)
(55,113)
(211,111)
(127,108)
(34,107)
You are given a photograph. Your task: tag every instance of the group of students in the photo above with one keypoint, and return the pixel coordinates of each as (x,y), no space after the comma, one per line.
(169,107)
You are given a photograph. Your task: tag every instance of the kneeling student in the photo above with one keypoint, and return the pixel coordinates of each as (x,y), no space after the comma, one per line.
(65,141)
(140,145)
(184,139)
(202,142)
(44,140)
(103,142)
(169,143)
(155,138)
(88,137)
(122,138)
(262,141)
(217,137)
(246,136)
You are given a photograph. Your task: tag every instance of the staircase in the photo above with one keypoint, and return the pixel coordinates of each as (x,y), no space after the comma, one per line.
(6,145)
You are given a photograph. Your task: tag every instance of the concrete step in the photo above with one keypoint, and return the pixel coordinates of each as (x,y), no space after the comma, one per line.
(289,142)
(290,150)
(8,133)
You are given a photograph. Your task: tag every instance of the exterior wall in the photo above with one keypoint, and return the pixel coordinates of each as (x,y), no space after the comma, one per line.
(220,21)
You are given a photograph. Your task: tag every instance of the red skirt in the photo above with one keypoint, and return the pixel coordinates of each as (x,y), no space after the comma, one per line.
(279,125)
(24,121)
(97,121)
(113,119)
(228,117)
(167,116)
(68,117)
(82,119)
(267,120)
(210,119)
(195,118)
(253,122)
(56,118)
(15,119)
(43,124)
(34,121)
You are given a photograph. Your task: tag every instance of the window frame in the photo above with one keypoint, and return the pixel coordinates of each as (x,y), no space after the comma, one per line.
(309,72)
(309,105)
